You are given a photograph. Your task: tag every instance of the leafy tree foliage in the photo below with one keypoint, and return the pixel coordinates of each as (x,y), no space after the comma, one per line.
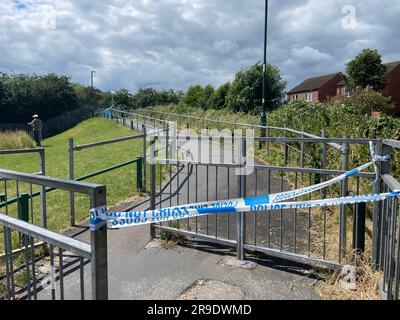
(21,96)
(245,92)
(196,97)
(366,71)
(218,99)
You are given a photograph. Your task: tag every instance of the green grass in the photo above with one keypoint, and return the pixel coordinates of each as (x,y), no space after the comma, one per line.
(120,183)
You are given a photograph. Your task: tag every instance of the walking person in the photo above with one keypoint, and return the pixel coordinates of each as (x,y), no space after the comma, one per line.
(37,126)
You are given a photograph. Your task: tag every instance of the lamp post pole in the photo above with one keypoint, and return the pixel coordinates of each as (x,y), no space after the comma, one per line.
(264,102)
(92,84)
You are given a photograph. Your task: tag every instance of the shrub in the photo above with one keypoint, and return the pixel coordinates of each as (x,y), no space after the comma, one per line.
(15,140)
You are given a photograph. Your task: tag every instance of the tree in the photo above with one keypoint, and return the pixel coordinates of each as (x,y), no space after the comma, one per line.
(366,71)
(49,96)
(123,99)
(208,93)
(218,99)
(145,98)
(194,97)
(245,92)
(84,95)
(165,97)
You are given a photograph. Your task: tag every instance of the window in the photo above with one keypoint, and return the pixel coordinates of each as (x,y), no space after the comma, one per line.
(309,96)
(294,97)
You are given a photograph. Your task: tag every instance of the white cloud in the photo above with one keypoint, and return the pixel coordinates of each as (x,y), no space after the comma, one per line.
(175,43)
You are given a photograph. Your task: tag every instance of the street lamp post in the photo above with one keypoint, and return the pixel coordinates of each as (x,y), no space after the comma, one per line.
(264,102)
(92,87)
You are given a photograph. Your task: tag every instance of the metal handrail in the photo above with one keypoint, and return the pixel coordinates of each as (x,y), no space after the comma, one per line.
(106,142)
(75,186)
(69,244)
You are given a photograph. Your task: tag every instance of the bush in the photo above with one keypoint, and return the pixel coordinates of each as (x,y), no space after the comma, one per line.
(16,140)
(366,102)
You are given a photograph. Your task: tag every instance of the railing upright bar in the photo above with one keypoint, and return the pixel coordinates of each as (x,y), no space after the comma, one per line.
(99,261)
(71,177)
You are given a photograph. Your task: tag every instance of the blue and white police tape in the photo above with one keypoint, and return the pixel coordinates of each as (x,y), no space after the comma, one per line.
(99,215)
(117,220)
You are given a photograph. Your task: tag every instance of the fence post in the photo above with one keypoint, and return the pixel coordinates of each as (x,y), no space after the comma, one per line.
(71,177)
(132,125)
(323,160)
(377,245)
(359,227)
(99,261)
(285,146)
(302,149)
(152,182)
(343,193)
(139,175)
(241,191)
(144,131)
(43,207)
(268,143)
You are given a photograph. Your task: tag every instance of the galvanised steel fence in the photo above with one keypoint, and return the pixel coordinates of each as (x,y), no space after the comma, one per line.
(55,125)
(307,236)
(389,226)
(38,263)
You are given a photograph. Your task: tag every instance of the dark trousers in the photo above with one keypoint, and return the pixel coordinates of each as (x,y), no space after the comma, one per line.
(38,137)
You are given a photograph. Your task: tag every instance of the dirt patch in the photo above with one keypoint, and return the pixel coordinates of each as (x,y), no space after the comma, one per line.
(213,290)
(232,262)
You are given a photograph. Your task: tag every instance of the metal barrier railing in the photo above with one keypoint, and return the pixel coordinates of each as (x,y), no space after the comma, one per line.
(285,233)
(388,220)
(29,262)
(140,165)
(41,193)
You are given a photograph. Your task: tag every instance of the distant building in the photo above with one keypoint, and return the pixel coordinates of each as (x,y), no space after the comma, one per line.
(317,89)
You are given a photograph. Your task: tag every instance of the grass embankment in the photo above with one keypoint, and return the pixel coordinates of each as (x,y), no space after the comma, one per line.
(15,140)
(120,183)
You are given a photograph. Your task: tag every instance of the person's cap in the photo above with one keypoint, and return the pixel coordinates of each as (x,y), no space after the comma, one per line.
(35,116)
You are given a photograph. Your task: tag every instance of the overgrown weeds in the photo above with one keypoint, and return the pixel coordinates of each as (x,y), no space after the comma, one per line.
(15,140)
(367,287)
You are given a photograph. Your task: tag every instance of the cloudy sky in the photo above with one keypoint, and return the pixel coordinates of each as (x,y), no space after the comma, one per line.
(176,43)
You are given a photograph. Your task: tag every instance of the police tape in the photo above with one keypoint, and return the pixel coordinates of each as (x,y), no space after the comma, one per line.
(117,220)
(269,202)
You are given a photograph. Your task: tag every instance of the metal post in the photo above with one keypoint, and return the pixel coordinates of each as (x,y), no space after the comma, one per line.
(343,193)
(323,159)
(139,175)
(241,192)
(152,182)
(263,119)
(43,205)
(359,227)
(99,261)
(302,148)
(286,149)
(383,168)
(144,130)
(71,177)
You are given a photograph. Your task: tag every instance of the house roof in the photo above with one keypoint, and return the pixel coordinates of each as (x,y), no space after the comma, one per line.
(391,66)
(313,83)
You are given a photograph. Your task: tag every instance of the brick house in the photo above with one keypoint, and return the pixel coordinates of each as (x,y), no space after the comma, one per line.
(317,89)
(392,88)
